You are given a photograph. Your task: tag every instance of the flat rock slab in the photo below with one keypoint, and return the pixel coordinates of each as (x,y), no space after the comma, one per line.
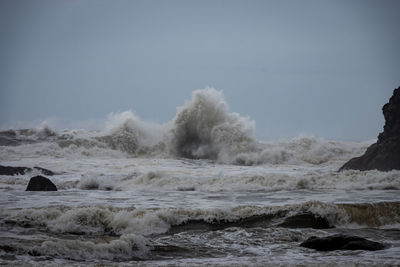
(341,242)
(40,183)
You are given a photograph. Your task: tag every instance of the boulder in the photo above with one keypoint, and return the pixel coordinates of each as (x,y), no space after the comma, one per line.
(341,242)
(40,183)
(306,220)
(9,170)
(384,155)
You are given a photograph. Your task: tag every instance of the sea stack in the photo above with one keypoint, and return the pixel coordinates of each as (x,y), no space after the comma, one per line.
(384,155)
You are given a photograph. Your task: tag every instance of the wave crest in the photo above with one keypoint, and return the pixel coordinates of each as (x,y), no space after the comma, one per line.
(128,133)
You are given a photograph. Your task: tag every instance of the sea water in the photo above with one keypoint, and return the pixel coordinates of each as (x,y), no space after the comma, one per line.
(200,190)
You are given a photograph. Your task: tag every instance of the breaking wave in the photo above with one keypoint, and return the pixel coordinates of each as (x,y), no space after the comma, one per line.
(203,128)
(101,220)
(299,150)
(126,247)
(26,136)
(127,132)
(256,180)
(121,234)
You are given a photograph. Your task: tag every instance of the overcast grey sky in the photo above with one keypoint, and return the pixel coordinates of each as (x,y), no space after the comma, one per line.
(314,67)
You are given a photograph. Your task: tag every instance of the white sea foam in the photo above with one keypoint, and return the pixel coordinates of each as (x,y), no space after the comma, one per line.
(132,188)
(126,247)
(98,220)
(234,178)
(302,150)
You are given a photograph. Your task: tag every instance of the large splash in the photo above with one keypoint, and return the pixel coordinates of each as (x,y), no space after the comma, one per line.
(205,129)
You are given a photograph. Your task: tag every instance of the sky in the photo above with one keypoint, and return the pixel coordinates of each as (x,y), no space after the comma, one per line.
(311,67)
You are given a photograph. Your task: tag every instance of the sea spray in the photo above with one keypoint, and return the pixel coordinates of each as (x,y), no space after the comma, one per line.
(204,128)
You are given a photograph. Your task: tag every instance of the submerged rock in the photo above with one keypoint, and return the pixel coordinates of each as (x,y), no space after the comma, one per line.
(306,220)
(384,155)
(9,170)
(341,242)
(40,183)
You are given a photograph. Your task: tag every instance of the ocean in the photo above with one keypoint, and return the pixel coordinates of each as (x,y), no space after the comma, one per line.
(201,190)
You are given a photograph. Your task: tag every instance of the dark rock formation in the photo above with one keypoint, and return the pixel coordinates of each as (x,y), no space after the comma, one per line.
(40,183)
(306,220)
(384,155)
(8,170)
(341,242)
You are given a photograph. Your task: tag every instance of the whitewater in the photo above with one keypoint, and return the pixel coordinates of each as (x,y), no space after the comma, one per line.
(199,190)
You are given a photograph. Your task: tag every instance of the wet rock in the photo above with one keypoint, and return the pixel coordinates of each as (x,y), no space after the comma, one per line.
(40,183)
(384,155)
(306,220)
(341,242)
(9,170)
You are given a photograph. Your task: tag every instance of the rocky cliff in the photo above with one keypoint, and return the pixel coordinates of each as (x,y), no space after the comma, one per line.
(384,155)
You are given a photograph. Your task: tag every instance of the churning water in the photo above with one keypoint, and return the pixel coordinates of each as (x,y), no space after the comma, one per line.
(200,190)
